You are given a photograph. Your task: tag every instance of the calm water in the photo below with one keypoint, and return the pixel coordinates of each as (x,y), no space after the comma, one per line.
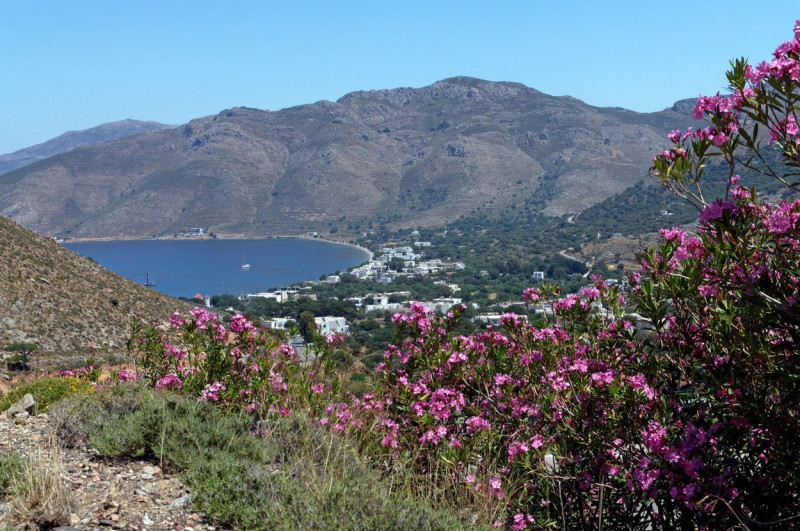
(185,267)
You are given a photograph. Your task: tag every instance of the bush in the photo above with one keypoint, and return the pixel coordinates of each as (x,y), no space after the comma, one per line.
(46,392)
(282,473)
(39,496)
(10,468)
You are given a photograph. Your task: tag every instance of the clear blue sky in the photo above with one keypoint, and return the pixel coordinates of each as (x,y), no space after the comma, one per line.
(69,65)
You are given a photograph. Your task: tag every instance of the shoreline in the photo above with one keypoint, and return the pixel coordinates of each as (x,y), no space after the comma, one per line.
(369,253)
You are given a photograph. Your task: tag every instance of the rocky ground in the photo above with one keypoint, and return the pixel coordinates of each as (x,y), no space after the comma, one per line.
(108,494)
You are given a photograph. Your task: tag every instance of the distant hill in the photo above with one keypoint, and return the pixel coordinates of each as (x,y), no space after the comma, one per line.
(73,139)
(398,158)
(65,303)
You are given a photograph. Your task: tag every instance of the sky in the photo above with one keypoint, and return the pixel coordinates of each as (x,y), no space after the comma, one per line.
(71,65)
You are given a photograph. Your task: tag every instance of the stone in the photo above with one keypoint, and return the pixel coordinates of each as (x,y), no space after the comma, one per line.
(148,470)
(106,523)
(183,501)
(146,520)
(25,404)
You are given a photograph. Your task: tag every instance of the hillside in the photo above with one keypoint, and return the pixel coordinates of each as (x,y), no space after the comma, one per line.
(65,303)
(73,139)
(399,158)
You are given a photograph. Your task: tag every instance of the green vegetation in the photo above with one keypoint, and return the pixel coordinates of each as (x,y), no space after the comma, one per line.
(46,392)
(10,470)
(19,361)
(281,473)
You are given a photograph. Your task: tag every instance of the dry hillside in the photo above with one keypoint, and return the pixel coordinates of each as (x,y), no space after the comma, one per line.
(65,303)
(406,157)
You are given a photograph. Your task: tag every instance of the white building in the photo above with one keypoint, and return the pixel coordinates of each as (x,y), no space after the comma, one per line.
(442,305)
(278,323)
(331,325)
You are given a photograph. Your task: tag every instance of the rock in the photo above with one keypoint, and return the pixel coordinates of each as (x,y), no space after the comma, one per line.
(65,528)
(21,418)
(107,523)
(146,520)
(23,405)
(146,476)
(74,519)
(148,470)
(183,501)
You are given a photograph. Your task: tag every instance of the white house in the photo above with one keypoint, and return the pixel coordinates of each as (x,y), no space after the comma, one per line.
(331,325)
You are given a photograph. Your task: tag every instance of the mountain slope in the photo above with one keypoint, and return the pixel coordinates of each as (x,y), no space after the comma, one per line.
(65,303)
(73,139)
(404,157)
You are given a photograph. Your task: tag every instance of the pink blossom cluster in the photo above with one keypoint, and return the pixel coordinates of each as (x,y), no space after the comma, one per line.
(211,391)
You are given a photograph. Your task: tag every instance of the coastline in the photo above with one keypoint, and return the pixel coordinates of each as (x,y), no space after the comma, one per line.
(369,253)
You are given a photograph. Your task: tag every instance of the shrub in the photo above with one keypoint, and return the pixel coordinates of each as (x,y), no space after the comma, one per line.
(239,366)
(46,392)
(10,469)
(291,473)
(40,497)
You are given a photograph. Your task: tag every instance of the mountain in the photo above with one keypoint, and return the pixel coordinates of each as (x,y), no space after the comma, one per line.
(402,157)
(73,139)
(66,303)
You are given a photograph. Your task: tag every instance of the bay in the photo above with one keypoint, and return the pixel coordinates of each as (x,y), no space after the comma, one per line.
(182,268)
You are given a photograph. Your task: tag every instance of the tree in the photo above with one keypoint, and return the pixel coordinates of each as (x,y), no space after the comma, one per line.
(19,362)
(227,300)
(396,264)
(308,327)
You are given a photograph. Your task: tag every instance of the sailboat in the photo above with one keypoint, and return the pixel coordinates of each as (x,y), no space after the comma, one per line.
(245,265)
(147,281)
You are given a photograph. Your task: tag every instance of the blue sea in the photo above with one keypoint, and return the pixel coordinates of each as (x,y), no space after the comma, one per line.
(182,268)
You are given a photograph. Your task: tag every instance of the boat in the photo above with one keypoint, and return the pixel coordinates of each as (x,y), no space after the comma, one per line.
(149,282)
(245,265)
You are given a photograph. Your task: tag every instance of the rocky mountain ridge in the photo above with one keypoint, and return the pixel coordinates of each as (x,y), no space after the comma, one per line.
(74,139)
(402,157)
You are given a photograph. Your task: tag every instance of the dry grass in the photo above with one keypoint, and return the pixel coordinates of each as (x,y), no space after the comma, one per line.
(40,499)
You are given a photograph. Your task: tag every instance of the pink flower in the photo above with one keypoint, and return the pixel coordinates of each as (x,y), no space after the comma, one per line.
(716,210)
(125,376)
(495,487)
(476,424)
(590,292)
(502,379)
(176,319)
(211,391)
(531,295)
(706,290)
(239,323)
(516,448)
(791,126)
(170,381)
(434,436)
